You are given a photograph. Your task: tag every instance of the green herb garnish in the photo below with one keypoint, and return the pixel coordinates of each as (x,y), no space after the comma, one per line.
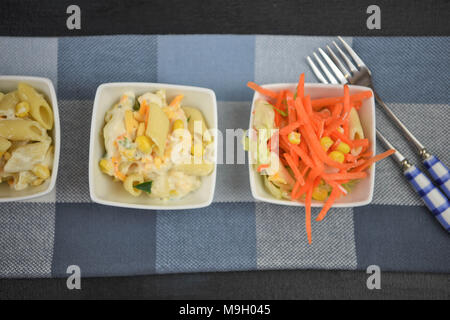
(146,186)
(137,105)
(284,114)
(189,119)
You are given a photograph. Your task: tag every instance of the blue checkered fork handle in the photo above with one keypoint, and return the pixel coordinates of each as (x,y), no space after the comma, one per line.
(438,203)
(439,172)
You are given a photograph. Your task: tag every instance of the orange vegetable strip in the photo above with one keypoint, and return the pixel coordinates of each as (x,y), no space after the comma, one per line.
(360,143)
(303,155)
(294,168)
(307,105)
(308,201)
(117,172)
(176,100)
(342,176)
(376,158)
(263,166)
(294,156)
(261,90)
(289,128)
(337,135)
(323,102)
(346,102)
(143,108)
(301,86)
(147,111)
(328,204)
(366,154)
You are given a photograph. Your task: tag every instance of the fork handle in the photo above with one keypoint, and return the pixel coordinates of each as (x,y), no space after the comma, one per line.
(436,202)
(420,147)
(439,172)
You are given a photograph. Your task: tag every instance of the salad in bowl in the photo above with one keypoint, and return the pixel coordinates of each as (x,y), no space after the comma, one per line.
(309,149)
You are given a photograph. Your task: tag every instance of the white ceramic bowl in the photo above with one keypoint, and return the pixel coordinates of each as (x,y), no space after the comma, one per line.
(102,187)
(44,86)
(363,192)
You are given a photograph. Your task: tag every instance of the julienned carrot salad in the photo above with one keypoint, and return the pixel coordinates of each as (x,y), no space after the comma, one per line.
(310,148)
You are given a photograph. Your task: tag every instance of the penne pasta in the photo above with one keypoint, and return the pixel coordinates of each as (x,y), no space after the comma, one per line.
(39,108)
(8,104)
(130,182)
(195,117)
(25,157)
(22,130)
(4,145)
(157,127)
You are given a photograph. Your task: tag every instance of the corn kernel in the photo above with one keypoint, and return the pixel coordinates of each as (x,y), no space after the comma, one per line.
(144,144)
(343,147)
(129,154)
(337,156)
(106,167)
(22,109)
(41,171)
(294,137)
(197,150)
(320,193)
(178,124)
(326,143)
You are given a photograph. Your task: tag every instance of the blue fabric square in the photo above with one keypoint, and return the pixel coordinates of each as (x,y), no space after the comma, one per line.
(85,63)
(218,238)
(222,63)
(103,241)
(403,238)
(408,69)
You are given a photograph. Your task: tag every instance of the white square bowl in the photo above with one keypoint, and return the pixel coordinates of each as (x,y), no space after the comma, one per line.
(104,190)
(44,86)
(363,192)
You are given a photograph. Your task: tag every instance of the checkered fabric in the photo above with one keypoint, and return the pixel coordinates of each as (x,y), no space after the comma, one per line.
(42,237)
(439,172)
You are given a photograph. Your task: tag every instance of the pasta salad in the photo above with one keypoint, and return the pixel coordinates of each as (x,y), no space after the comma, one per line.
(26,150)
(156,148)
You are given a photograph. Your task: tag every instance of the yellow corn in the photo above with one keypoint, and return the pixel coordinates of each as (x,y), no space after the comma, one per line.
(326,143)
(22,109)
(106,167)
(337,156)
(343,147)
(144,144)
(294,137)
(41,171)
(197,150)
(320,193)
(130,154)
(178,124)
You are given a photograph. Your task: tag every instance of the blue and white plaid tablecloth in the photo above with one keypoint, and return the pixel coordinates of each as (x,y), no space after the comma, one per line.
(43,237)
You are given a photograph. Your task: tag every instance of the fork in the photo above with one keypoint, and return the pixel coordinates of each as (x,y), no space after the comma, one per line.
(361,75)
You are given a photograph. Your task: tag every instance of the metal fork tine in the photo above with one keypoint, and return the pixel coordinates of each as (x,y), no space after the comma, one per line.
(316,71)
(355,57)
(325,70)
(333,67)
(338,63)
(346,59)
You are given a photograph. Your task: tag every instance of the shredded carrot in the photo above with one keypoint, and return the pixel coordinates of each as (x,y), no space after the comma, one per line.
(374,159)
(309,162)
(176,101)
(119,175)
(327,206)
(263,166)
(261,90)
(294,168)
(317,104)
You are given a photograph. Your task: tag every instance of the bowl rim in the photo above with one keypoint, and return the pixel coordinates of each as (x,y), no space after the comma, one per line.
(253,176)
(94,130)
(56,129)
